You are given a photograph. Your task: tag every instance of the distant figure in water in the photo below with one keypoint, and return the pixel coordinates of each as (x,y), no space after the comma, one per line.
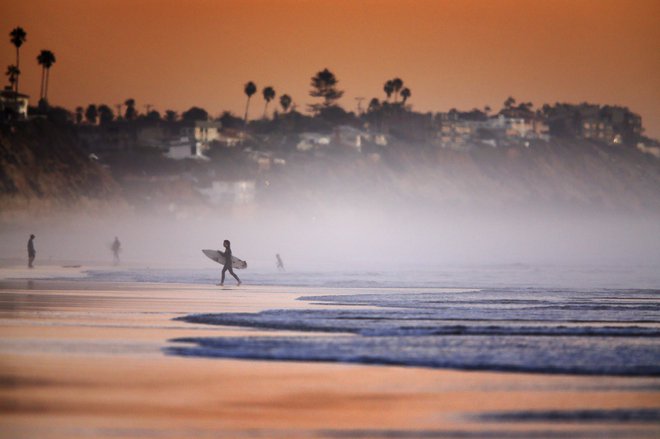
(116,248)
(227,266)
(280,264)
(32,253)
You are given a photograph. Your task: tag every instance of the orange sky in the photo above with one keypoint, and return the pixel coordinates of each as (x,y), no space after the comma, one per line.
(462,53)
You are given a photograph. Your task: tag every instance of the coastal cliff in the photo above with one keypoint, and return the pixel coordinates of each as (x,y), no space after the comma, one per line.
(44,169)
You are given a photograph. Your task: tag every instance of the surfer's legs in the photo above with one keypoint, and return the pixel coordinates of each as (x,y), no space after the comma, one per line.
(233,274)
(222,278)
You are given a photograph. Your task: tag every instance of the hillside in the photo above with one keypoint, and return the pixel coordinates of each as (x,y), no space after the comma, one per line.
(44,169)
(565,174)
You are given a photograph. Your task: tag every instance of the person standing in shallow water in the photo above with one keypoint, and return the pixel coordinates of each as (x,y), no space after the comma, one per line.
(116,248)
(227,267)
(279,262)
(32,253)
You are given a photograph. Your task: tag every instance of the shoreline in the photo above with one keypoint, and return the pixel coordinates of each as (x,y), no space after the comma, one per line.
(86,359)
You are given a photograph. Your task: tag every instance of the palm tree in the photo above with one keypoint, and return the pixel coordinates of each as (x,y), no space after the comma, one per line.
(285,102)
(388,88)
(18,37)
(46,59)
(12,74)
(405,94)
(397,84)
(250,88)
(269,95)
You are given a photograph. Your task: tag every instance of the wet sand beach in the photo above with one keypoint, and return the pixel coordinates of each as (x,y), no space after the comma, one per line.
(85,359)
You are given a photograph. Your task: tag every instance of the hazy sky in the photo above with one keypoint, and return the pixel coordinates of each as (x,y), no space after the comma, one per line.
(463,54)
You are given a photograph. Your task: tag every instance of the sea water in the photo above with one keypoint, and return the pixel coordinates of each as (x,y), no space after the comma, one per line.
(589,320)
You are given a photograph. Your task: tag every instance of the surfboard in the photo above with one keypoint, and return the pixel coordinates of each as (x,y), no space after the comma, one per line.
(219,257)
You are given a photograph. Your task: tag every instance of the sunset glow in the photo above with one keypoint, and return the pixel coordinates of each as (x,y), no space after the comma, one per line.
(462,54)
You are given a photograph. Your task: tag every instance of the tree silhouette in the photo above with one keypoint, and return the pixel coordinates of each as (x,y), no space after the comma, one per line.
(230,121)
(18,37)
(249,89)
(397,84)
(509,103)
(285,102)
(388,88)
(80,111)
(130,113)
(194,114)
(269,95)
(324,85)
(153,116)
(46,59)
(105,114)
(12,75)
(374,104)
(91,114)
(170,116)
(405,94)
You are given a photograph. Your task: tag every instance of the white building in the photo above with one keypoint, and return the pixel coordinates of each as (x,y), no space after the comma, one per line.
(14,104)
(309,141)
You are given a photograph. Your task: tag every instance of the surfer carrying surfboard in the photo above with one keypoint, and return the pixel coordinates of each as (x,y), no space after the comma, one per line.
(227,265)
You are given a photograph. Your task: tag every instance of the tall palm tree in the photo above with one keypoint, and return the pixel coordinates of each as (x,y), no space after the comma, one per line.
(18,37)
(397,85)
(12,74)
(405,94)
(250,88)
(269,95)
(388,88)
(46,59)
(285,102)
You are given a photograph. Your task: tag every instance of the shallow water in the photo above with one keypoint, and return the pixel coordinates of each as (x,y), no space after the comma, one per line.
(613,332)
(531,319)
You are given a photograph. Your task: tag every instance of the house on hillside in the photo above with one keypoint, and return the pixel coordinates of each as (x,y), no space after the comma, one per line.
(202,133)
(310,141)
(193,140)
(351,137)
(13,105)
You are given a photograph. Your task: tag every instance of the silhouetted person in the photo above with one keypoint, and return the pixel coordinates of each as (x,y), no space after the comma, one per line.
(280,264)
(227,267)
(116,248)
(32,253)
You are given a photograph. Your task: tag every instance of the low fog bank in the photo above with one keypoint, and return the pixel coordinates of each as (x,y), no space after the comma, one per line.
(346,237)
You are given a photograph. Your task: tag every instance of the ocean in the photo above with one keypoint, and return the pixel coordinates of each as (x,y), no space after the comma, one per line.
(518,318)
